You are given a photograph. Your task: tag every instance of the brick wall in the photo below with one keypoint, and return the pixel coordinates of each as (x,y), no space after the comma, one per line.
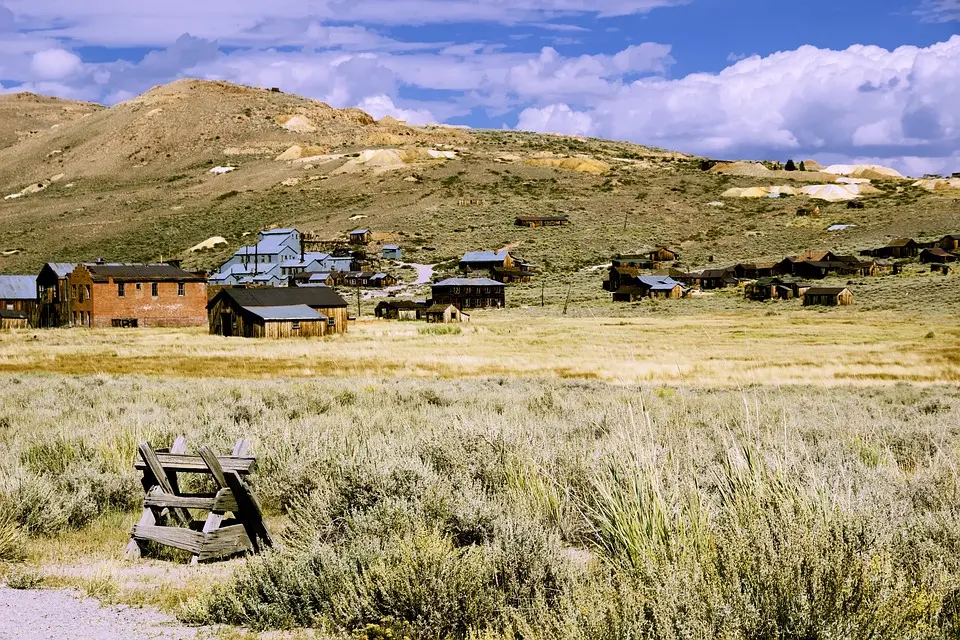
(103,304)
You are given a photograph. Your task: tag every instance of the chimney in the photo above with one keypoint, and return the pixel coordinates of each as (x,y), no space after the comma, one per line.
(100,260)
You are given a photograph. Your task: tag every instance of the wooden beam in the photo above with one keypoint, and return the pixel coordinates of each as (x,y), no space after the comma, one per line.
(176,537)
(227,541)
(210,459)
(156,468)
(195,464)
(222,501)
(249,512)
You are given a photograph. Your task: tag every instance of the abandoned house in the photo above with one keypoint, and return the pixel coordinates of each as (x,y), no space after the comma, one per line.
(950,242)
(900,248)
(713,279)
(775,288)
(136,295)
(368,279)
(469,293)
(320,279)
(936,256)
(53,289)
(661,256)
(10,319)
(827,296)
(360,236)
(753,270)
(445,314)
(541,221)
(513,274)
(617,276)
(391,252)
(277,312)
(19,293)
(648,287)
(401,309)
(486,260)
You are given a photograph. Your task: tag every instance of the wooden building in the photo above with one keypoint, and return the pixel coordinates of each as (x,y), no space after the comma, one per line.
(469,293)
(900,248)
(368,279)
(661,256)
(828,296)
(936,256)
(445,314)
(632,261)
(19,293)
(401,309)
(712,279)
(10,319)
(753,270)
(541,221)
(618,276)
(648,287)
(136,295)
(950,242)
(511,275)
(776,288)
(277,312)
(486,260)
(53,288)
(391,252)
(360,236)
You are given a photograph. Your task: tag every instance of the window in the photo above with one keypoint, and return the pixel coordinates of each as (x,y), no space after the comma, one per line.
(139,286)
(155,289)
(295,325)
(80,299)
(120,290)
(87,288)
(181,289)
(331,322)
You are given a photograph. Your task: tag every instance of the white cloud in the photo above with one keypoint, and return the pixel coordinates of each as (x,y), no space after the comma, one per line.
(939,10)
(55,64)
(864,101)
(557,118)
(382,105)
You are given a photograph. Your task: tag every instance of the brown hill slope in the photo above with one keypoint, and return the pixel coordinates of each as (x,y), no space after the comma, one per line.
(24,115)
(134,182)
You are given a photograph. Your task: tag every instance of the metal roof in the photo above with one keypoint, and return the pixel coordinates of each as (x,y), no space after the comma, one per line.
(278,232)
(358,231)
(826,291)
(390,247)
(62,269)
(485,256)
(658,283)
(291,312)
(18,287)
(323,297)
(468,282)
(140,272)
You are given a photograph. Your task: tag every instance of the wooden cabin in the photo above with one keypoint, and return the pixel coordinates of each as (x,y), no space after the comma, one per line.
(936,256)
(401,309)
(360,236)
(950,242)
(277,312)
(445,314)
(632,262)
(753,270)
(618,276)
(776,288)
(648,287)
(541,221)
(511,275)
(486,260)
(712,279)
(469,293)
(53,289)
(661,256)
(10,319)
(900,248)
(828,296)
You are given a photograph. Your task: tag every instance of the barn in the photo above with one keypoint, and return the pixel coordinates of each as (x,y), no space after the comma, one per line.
(445,314)
(277,312)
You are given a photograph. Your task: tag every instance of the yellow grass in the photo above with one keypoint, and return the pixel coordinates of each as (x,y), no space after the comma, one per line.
(795,346)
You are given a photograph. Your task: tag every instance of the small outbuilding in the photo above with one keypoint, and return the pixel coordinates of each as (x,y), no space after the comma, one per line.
(401,309)
(828,296)
(360,236)
(936,256)
(10,319)
(541,221)
(295,321)
(445,314)
(392,252)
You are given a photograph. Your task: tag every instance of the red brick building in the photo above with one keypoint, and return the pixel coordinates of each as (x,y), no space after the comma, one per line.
(136,295)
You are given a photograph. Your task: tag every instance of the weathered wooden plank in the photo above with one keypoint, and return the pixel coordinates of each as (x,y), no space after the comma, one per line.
(147,518)
(249,512)
(195,464)
(227,541)
(176,537)
(210,459)
(241,448)
(222,502)
(149,458)
(179,447)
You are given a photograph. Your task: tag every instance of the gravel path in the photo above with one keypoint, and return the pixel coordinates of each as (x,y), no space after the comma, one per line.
(65,615)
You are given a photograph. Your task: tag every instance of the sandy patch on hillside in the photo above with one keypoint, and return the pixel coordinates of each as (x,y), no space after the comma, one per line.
(577,163)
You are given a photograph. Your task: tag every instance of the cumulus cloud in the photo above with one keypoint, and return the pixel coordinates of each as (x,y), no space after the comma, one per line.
(557,118)
(382,105)
(55,64)
(863,101)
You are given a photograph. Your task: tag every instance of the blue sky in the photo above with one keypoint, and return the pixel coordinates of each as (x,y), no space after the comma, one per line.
(840,80)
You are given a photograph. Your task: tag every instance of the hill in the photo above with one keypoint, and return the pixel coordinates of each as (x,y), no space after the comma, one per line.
(24,115)
(134,182)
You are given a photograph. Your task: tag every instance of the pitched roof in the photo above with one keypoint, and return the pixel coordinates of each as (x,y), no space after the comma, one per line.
(468,282)
(390,247)
(278,232)
(901,242)
(402,304)
(323,297)
(359,231)
(658,283)
(485,256)
(62,269)
(140,273)
(951,236)
(937,251)
(438,308)
(13,315)
(18,287)
(289,312)
(825,291)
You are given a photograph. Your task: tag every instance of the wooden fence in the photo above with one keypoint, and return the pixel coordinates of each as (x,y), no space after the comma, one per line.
(233,520)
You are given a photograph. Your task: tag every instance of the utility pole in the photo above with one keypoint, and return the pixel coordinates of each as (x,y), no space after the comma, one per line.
(566,302)
(542,287)
(358,302)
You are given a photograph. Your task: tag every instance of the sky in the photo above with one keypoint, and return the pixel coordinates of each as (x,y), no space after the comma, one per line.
(873,81)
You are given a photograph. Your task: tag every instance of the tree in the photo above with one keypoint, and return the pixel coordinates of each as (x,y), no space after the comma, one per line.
(790,166)
(802,166)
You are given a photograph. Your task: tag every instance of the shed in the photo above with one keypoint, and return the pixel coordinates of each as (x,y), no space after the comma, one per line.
(10,319)
(360,236)
(445,314)
(950,242)
(392,252)
(541,221)
(242,312)
(828,296)
(401,309)
(285,322)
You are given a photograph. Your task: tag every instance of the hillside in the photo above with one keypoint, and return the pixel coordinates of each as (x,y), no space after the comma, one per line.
(134,182)
(24,115)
